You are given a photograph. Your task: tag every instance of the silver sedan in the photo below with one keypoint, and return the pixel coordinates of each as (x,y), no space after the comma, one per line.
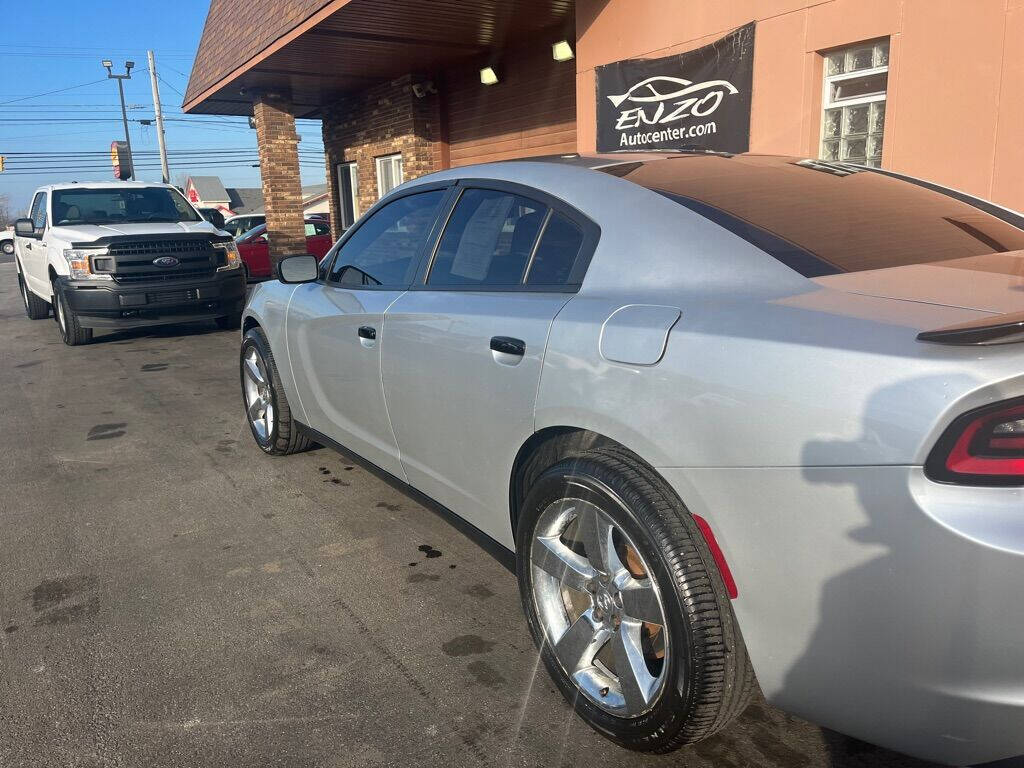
(736,420)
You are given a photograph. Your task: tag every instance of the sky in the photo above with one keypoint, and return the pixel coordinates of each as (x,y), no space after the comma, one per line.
(58,46)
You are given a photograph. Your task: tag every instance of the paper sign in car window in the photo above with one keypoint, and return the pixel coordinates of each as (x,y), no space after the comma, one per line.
(479,239)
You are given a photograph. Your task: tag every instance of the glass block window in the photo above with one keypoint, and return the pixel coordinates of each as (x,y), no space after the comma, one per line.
(854,103)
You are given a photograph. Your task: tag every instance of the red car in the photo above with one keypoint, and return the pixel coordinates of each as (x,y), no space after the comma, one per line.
(255,252)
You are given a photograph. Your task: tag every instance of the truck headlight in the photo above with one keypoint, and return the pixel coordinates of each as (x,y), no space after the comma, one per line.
(232,260)
(81,265)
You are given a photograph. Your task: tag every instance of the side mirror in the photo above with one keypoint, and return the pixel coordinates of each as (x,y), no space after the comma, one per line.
(25,228)
(298,269)
(215,217)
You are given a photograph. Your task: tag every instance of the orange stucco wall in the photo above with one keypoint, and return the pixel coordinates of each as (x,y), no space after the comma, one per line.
(955,109)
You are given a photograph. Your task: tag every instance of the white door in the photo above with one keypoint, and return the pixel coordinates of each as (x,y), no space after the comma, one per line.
(32,250)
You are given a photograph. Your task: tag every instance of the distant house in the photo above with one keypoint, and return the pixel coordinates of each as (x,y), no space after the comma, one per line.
(209,192)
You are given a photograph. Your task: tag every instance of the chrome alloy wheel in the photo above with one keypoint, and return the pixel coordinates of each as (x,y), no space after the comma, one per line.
(600,609)
(259,399)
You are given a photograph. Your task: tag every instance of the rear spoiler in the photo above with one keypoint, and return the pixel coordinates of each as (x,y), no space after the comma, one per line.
(997,329)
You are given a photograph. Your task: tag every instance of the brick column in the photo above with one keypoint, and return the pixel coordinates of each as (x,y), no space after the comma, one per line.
(282,185)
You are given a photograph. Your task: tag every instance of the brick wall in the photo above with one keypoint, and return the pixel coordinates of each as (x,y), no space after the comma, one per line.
(278,141)
(382,120)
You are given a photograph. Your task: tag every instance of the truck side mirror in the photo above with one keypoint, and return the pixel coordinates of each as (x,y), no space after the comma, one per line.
(25,228)
(214,216)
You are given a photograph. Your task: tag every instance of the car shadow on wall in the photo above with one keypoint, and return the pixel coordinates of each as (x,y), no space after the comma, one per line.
(853,625)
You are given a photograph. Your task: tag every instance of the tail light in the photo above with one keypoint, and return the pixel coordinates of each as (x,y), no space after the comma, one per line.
(982,447)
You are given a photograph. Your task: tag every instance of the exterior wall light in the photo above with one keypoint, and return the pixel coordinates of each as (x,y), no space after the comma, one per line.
(562,51)
(488,76)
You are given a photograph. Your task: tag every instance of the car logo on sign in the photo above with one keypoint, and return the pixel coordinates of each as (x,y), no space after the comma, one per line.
(166,261)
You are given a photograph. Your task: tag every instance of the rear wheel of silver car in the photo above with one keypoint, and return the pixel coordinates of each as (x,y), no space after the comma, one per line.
(266,406)
(71,330)
(35,308)
(626,605)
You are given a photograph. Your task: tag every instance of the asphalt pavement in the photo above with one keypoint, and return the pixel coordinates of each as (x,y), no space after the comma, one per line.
(170,596)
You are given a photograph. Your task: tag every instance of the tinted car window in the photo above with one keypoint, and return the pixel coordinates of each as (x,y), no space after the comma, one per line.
(488,239)
(381,252)
(822,218)
(556,253)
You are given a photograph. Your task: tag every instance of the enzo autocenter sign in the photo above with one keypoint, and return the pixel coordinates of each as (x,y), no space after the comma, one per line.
(694,100)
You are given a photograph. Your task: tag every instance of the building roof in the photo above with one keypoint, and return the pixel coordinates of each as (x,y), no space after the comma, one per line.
(209,189)
(310,193)
(311,52)
(245,199)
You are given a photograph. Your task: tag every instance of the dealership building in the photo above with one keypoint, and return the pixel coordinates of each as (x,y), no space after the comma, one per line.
(931,88)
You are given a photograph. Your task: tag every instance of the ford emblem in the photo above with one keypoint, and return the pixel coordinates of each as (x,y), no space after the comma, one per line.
(166,261)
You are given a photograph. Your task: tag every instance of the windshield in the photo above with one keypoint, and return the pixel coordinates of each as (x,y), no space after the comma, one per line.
(252,234)
(120,206)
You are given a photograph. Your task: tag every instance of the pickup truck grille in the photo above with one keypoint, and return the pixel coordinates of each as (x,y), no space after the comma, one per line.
(133,259)
(164,275)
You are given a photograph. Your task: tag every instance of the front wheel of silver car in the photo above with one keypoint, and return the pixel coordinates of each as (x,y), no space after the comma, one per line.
(266,405)
(626,604)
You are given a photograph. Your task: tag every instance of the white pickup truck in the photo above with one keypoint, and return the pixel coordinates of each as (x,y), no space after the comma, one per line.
(123,255)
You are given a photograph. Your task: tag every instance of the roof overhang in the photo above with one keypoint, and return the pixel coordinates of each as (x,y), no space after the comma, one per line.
(348,45)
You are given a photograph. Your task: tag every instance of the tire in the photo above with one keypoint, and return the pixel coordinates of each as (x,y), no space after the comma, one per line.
(694,675)
(71,330)
(7,246)
(229,322)
(276,433)
(35,308)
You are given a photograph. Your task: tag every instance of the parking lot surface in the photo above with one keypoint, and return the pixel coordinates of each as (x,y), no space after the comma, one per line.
(169,596)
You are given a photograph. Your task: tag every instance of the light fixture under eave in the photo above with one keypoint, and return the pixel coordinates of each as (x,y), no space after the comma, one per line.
(488,76)
(562,51)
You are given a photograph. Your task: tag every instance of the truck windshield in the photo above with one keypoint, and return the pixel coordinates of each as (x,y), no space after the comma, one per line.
(120,206)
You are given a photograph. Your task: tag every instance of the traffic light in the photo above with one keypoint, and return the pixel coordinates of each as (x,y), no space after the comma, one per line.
(2,161)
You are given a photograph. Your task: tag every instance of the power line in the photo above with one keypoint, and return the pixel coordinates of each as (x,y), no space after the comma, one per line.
(59,90)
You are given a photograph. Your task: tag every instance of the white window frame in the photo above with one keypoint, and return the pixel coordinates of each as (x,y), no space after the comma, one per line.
(353,171)
(828,103)
(398,177)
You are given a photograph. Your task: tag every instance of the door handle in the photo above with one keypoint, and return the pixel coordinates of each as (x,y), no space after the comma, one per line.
(366,332)
(29,246)
(508,345)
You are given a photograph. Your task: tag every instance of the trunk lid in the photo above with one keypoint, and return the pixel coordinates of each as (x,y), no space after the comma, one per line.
(991,283)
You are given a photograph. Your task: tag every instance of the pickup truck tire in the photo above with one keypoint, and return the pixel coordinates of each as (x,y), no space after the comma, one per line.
(35,308)
(229,322)
(264,400)
(71,330)
(7,246)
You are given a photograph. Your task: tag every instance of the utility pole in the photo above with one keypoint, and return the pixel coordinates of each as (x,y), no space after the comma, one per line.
(120,89)
(159,118)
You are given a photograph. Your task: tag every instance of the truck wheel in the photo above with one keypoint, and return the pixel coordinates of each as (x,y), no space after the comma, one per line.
(625,602)
(229,322)
(71,331)
(7,246)
(35,308)
(266,406)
